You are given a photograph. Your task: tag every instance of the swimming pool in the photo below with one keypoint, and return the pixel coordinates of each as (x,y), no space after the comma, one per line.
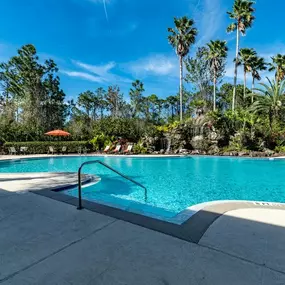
(173,183)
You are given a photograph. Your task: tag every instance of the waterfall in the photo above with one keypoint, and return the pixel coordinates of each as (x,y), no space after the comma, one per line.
(165,144)
(168,144)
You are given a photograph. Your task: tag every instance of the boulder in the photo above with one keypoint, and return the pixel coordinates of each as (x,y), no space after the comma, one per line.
(257,154)
(268,152)
(199,142)
(213,150)
(243,153)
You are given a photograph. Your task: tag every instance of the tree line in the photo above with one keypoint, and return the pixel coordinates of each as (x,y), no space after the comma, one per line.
(32,102)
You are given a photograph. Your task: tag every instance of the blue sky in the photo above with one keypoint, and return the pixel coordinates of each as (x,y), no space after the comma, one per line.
(94,46)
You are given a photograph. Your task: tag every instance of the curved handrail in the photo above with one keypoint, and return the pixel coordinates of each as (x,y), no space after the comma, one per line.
(109,167)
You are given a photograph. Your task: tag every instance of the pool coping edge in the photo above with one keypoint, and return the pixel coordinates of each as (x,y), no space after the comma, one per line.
(191,229)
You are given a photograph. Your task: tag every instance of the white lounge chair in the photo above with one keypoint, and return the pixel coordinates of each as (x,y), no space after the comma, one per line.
(129,149)
(12,150)
(51,150)
(117,149)
(23,149)
(107,148)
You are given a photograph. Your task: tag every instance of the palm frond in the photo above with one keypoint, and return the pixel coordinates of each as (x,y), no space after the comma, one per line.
(231,28)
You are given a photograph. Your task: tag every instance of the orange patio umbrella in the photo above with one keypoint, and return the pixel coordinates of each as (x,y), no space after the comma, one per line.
(58,133)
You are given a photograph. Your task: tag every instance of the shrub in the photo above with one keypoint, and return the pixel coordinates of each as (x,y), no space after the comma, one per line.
(42,147)
(140,149)
(99,142)
(128,128)
(280,149)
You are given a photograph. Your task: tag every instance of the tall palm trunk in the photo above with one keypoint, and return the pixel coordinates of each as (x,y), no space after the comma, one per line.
(181,88)
(236,68)
(252,88)
(244,84)
(277,77)
(214,98)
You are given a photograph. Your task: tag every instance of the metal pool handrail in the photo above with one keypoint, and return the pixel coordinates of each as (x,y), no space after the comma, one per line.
(109,167)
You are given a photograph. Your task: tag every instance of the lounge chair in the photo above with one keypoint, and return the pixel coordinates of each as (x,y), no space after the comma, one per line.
(79,150)
(23,149)
(107,148)
(51,150)
(12,150)
(64,150)
(129,149)
(117,149)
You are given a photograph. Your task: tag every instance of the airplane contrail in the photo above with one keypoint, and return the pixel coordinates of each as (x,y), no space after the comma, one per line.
(105,8)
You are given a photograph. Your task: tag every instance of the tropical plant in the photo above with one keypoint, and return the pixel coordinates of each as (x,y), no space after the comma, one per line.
(100,141)
(139,148)
(181,38)
(269,100)
(278,65)
(216,54)
(246,59)
(257,64)
(242,16)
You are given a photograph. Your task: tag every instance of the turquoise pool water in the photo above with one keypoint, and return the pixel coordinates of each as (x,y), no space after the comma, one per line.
(173,184)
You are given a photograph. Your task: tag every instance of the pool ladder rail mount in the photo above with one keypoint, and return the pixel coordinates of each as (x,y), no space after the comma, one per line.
(112,169)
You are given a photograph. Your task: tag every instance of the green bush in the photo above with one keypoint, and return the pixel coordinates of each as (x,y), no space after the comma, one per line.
(42,147)
(127,128)
(140,149)
(99,142)
(280,149)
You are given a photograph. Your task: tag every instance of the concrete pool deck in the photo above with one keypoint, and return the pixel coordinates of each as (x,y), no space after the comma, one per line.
(39,181)
(43,241)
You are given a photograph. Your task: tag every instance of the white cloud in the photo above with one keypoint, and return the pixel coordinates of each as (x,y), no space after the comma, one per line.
(209,17)
(158,64)
(100,70)
(98,73)
(82,75)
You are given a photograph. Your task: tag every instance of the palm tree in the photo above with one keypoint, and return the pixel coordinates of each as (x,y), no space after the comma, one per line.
(257,64)
(181,38)
(243,19)
(278,65)
(246,58)
(216,54)
(269,99)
